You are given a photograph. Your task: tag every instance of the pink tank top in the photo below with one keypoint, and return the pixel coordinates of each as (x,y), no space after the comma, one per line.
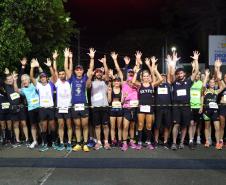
(131,92)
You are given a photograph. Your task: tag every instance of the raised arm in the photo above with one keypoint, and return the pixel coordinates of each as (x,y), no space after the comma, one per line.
(134,80)
(207,74)
(127,61)
(114,56)
(104,62)
(55,55)
(221,83)
(195,64)
(155,72)
(66,67)
(34,63)
(91,55)
(52,72)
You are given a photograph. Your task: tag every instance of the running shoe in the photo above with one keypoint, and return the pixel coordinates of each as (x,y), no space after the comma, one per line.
(43,148)
(198,141)
(107,146)
(77,147)
(221,143)
(191,146)
(181,146)
(124,147)
(155,144)
(166,146)
(139,147)
(33,144)
(91,143)
(150,147)
(69,147)
(54,145)
(86,148)
(119,144)
(174,146)
(60,147)
(207,144)
(98,146)
(113,143)
(17,144)
(132,144)
(218,146)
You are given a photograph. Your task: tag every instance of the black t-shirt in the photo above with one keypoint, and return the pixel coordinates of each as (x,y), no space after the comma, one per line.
(181,91)
(13,97)
(163,94)
(146,95)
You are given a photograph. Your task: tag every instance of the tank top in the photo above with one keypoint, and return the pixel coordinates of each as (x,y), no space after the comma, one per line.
(131,100)
(146,95)
(195,95)
(99,93)
(210,99)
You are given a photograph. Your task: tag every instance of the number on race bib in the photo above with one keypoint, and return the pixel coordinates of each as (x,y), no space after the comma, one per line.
(34,101)
(181,92)
(14,96)
(5,105)
(195,94)
(116,104)
(63,110)
(145,108)
(97,97)
(162,90)
(213,105)
(133,103)
(79,107)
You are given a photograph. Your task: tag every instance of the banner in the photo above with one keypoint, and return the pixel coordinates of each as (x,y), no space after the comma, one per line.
(217,48)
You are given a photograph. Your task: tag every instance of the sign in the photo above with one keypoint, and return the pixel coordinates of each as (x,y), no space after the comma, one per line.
(217,48)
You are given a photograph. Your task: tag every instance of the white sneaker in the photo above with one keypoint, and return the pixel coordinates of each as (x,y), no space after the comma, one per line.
(33,144)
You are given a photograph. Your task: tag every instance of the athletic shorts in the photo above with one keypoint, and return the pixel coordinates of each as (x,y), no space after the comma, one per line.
(116,112)
(182,115)
(4,116)
(33,116)
(222,110)
(19,115)
(63,115)
(130,114)
(100,116)
(211,115)
(46,114)
(196,116)
(79,114)
(143,110)
(163,117)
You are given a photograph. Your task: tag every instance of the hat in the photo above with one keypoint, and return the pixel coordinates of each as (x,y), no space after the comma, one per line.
(179,70)
(130,70)
(43,74)
(117,78)
(79,66)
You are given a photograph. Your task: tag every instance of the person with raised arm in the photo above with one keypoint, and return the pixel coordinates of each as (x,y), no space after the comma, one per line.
(181,100)
(80,112)
(47,111)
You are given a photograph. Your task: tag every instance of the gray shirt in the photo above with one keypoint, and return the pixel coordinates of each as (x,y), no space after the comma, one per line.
(99,93)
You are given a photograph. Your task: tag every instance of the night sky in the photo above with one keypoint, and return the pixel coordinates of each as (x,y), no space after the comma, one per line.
(146,25)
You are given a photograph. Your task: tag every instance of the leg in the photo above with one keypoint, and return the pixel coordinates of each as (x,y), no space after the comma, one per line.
(16,130)
(119,126)
(61,130)
(69,130)
(85,127)
(112,122)
(25,129)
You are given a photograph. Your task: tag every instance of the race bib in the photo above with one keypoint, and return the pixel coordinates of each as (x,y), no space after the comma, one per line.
(195,94)
(133,103)
(213,105)
(45,101)
(116,104)
(145,108)
(5,105)
(162,90)
(63,110)
(97,97)
(181,92)
(79,107)
(14,96)
(34,101)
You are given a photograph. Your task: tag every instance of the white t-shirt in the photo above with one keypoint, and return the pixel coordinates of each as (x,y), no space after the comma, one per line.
(63,90)
(45,94)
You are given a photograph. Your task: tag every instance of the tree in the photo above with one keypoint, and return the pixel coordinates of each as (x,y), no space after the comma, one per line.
(33,29)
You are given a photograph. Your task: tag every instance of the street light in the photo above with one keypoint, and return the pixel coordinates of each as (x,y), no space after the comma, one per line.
(173,49)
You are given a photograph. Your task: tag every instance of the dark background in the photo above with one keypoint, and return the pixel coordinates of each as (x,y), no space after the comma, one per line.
(147,25)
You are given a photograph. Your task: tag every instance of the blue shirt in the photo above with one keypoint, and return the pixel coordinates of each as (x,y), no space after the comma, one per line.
(32,97)
(78,89)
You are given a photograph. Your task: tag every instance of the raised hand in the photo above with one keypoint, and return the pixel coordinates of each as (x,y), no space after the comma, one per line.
(15,75)
(147,61)
(136,69)
(70,55)
(34,63)
(66,52)
(207,72)
(24,61)
(219,75)
(55,55)
(110,73)
(218,63)
(103,60)
(175,57)
(114,55)
(91,53)
(127,60)
(138,55)
(195,55)
(48,62)
(6,72)
(153,61)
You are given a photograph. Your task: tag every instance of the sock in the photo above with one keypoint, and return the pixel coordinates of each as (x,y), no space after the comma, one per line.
(44,137)
(148,133)
(139,136)
(53,136)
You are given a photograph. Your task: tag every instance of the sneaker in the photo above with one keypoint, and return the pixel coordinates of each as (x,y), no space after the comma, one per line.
(26,143)
(150,147)
(119,144)
(60,147)
(107,146)
(221,144)
(124,147)
(54,145)
(198,141)
(91,143)
(33,144)
(207,144)
(132,144)
(155,144)
(86,148)
(77,147)
(210,141)
(181,146)
(139,147)
(218,146)
(174,146)
(191,146)
(69,147)
(114,143)
(166,146)
(44,148)
(17,144)
(98,146)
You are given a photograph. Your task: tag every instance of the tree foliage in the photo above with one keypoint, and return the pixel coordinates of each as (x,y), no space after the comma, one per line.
(33,29)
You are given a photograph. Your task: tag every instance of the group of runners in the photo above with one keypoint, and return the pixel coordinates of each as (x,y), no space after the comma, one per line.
(126,107)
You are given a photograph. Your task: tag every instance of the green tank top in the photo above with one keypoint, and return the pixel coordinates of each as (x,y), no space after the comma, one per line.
(195,94)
